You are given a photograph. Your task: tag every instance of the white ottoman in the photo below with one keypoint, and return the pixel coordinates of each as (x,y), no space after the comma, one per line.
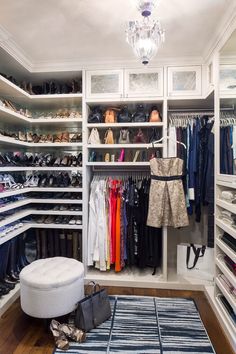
(51,287)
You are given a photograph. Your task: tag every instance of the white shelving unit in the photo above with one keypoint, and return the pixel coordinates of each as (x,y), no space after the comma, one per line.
(13,120)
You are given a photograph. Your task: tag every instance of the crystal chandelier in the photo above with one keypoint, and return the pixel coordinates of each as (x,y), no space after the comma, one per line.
(145,7)
(145,38)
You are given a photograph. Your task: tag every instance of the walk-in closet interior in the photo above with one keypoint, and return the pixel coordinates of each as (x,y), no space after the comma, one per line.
(81,121)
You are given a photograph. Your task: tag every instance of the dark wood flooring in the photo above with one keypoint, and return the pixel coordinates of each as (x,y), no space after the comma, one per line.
(20,334)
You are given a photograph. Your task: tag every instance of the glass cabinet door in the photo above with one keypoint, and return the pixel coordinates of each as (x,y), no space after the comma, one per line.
(104,83)
(184,81)
(143,82)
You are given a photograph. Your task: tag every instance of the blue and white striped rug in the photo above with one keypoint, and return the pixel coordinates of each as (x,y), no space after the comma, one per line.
(147,325)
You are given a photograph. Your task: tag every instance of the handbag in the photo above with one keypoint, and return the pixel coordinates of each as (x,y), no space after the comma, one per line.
(195,261)
(110,116)
(139,137)
(93,310)
(109,139)
(94,137)
(124,116)
(154,115)
(95,115)
(124,136)
(154,136)
(139,116)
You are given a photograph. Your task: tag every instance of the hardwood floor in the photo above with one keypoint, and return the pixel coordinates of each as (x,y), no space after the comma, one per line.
(20,334)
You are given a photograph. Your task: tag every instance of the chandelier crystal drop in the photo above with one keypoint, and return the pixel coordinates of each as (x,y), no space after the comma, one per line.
(146,7)
(145,38)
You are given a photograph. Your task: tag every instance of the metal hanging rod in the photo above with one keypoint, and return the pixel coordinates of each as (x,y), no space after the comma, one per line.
(191,110)
(125,169)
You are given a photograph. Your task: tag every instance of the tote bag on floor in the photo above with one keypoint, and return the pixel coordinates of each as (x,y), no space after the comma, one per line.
(195,261)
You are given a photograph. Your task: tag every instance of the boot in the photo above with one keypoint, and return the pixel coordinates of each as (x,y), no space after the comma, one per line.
(75,244)
(51,250)
(57,252)
(43,236)
(39,247)
(62,244)
(69,245)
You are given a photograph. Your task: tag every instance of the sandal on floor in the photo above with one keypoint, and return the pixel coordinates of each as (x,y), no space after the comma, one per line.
(72,332)
(60,339)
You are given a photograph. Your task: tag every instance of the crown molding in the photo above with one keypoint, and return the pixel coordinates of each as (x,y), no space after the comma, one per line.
(224,30)
(10,46)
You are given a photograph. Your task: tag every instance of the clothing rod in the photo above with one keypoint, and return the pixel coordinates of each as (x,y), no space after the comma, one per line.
(124,169)
(200,110)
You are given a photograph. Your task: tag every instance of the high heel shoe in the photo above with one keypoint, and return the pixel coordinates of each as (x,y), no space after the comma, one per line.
(73,332)
(60,339)
(122,156)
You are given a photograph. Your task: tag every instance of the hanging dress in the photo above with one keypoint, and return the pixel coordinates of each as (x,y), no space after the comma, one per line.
(167,204)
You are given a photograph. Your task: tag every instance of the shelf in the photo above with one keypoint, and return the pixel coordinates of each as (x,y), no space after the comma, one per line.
(226,205)
(123,146)
(118,164)
(9,116)
(39,189)
(14,233)
(14,205)
(56,226)
(227,184)
(17,216)
(227,228)
(55,201)
(40,168)
(226,315)
(124,125)
(121,101)
(231,277)
(56,212)
(17,95)
(225,292)
(7,300)
(226,249)
(11,141)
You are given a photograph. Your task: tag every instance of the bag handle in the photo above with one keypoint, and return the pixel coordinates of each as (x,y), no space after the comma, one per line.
(196,253)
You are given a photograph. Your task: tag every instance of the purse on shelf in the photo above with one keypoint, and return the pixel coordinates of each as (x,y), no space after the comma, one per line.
(95,115)
(109,139)
(124,116)
(93,310)
(94,137)
(139,116)
(154,135)
(124,137)
(110,116)
(140,138)
(154,115)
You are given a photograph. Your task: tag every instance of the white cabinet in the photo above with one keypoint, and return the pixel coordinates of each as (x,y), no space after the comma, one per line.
(124,84)
(184,81)
(104,84)
(144,82)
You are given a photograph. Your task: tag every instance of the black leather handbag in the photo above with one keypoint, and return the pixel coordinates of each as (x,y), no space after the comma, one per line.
(93,310)
(154,135)
(124,116)
(140,116)
(95,115)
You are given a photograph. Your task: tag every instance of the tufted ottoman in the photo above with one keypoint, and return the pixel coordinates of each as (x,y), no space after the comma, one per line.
(51,287)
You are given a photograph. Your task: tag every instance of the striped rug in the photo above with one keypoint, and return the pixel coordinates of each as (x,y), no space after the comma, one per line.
(147,325)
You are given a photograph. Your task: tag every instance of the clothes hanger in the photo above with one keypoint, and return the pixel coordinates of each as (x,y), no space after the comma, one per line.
(167,137)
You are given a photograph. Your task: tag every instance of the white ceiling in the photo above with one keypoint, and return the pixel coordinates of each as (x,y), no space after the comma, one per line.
(229,48)
(56,31)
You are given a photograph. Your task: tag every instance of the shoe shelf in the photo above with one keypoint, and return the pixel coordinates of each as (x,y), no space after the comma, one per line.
(10,193)
(231,299)
(124,125)
(14,205)
(7,300)
(56,212)
(9,116)
(226,249)
(11,141)
(40,168)
(118,164)
(14,233)
(226,227)
(17,216)
(10,90)
(122,146)
(226,205)
(55,201)
(56,226)
(225,270)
